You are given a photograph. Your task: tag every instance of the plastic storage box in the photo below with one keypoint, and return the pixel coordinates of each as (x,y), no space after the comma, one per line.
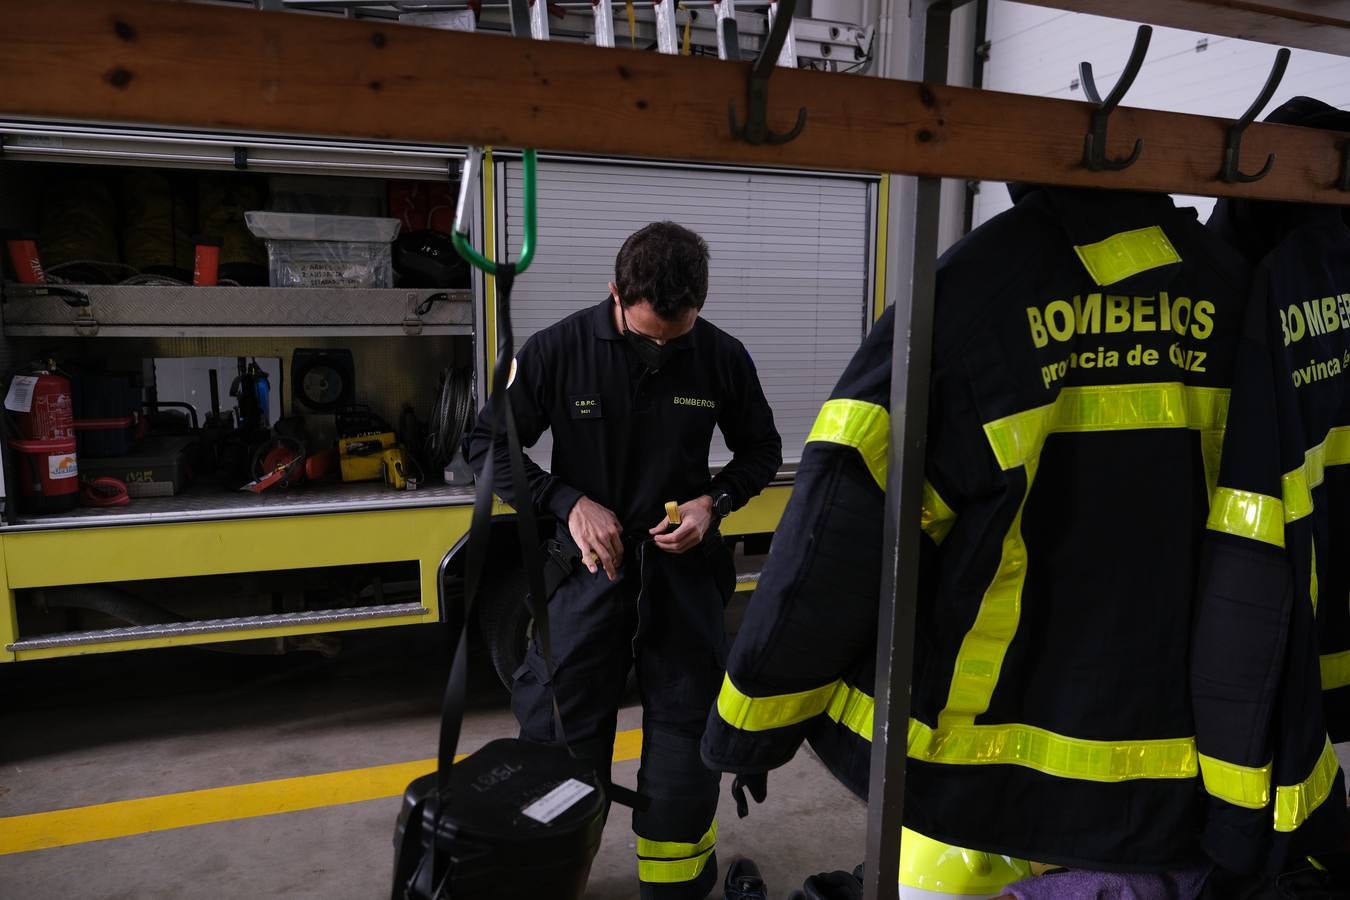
(306,250)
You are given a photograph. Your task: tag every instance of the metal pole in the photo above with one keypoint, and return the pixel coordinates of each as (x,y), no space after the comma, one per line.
(919,200)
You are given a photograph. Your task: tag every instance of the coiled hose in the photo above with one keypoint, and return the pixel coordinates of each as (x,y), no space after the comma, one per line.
(450,416)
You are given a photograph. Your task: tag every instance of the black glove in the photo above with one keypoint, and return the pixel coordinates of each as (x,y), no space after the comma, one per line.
(758,785)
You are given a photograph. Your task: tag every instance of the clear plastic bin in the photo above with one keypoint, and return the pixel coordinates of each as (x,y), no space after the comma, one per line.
(306,250)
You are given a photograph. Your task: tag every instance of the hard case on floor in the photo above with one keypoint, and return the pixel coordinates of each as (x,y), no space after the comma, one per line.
(525,825)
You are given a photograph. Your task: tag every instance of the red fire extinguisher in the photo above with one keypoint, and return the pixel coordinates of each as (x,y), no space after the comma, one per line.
(44,451)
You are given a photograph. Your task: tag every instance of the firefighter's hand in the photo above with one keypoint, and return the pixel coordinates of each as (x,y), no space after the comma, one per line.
(696,518)
(598,535)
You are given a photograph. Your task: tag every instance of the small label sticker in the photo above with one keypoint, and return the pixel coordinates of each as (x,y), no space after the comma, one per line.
(62,465)
(557,801)
(20,396)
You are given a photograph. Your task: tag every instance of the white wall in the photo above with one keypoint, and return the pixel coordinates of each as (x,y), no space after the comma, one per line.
(1034,50)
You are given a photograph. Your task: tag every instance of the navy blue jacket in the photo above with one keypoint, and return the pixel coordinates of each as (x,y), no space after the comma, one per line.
(628,438)
(1082,354)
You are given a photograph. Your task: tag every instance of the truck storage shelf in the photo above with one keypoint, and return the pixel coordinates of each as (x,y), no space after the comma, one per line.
(202,504)
(185,311)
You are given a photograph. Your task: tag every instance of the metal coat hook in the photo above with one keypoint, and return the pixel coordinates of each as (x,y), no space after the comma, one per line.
(1232,148)
(756,128)
(1094,144)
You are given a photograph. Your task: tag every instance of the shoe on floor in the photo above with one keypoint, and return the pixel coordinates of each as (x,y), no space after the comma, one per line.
(744,882)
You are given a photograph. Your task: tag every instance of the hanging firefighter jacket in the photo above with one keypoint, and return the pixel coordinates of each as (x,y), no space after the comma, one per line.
(1274,588)
(1082,350)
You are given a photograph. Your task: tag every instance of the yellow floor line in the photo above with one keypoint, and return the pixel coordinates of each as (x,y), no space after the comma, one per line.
(124,818)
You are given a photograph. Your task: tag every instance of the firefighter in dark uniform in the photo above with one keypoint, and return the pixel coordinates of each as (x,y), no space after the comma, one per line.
(632,389)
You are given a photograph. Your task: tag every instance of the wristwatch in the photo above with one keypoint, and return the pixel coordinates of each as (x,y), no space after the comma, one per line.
(722,505)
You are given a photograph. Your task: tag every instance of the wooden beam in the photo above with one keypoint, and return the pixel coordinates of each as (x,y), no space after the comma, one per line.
(201,66)
(1322,25)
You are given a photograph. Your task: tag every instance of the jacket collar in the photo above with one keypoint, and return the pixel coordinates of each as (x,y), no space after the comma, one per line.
(1088,216)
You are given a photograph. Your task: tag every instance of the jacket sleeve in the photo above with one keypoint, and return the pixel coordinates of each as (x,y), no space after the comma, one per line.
(814,610)
(1309,802)
(1255,690)
(530,401)
(813,618)
(746,422)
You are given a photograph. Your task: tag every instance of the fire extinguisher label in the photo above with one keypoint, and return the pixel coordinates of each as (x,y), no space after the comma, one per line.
(62,465)
(20,396)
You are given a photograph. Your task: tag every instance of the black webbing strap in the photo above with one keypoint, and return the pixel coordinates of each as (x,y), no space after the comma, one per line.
(476,551)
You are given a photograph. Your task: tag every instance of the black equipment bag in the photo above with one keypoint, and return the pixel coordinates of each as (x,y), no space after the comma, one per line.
(526,825)
(513,820)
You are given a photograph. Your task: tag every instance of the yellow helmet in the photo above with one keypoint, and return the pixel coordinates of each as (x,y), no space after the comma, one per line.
(932,870)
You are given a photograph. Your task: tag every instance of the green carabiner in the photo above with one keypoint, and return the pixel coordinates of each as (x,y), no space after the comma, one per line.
(468,181)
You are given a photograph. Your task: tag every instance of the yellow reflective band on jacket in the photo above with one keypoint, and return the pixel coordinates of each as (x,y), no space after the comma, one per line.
(1296,802)
(740,710)
(1239,785)
(867,428)
(1025,745)
(1299,484)
(855,423)
(1127,253)
(937,518)
(1312,569)
(1247,515)
(1335,670)
(1017,440)
(1107,407)
(1053,754)
(677,850)
(980,658)
(672,871)
(853,709)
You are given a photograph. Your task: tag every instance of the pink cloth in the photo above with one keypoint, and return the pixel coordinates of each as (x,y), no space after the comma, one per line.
(1182,884)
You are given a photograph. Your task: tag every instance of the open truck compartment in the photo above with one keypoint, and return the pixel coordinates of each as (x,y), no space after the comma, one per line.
(235,347)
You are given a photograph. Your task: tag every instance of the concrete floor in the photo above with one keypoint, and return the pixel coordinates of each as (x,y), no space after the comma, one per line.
(105,728)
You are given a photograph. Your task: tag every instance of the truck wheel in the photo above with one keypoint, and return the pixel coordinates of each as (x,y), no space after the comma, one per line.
(505,624)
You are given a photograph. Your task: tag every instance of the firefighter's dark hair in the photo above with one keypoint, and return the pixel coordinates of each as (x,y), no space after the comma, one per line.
(665,264)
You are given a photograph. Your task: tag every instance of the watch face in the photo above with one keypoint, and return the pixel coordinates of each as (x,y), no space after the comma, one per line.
(722,505)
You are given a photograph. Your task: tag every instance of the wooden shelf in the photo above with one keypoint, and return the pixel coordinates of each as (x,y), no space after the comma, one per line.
(128,60)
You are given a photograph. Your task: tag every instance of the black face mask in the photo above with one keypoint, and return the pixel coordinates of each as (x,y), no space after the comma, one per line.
(649,352)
